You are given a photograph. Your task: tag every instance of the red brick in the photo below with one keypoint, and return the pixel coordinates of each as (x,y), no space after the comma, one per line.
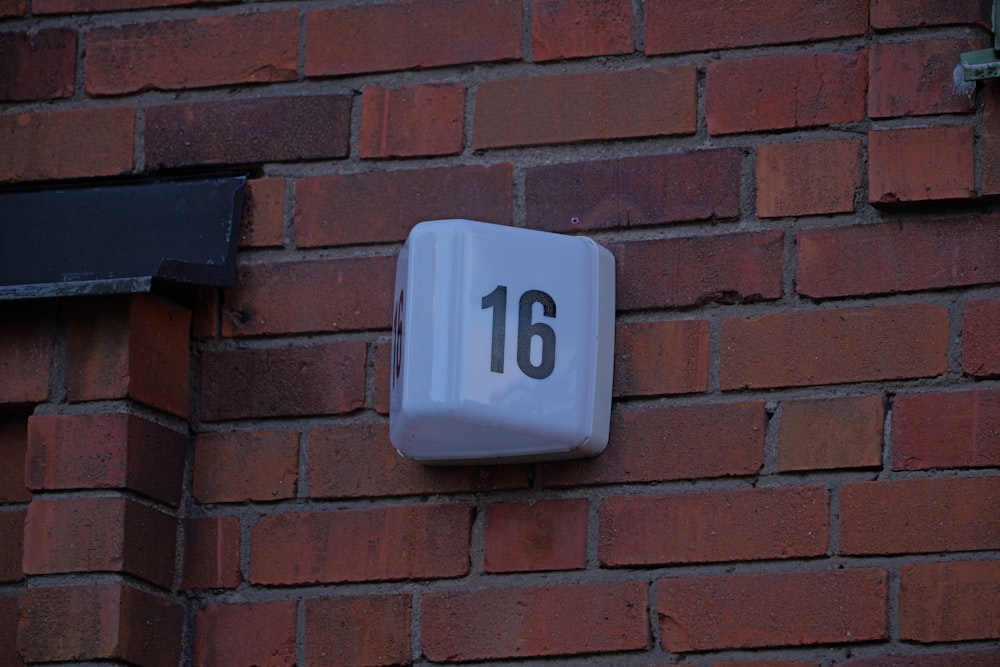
(211,553)
(766,663)
(349,294)
(322,379)
(565,108)
(823,434)
(278,129)
(414,34)
(370,630)
(381,544)
(99,535)
(756,610)
(785,91)
(11,545)
(254,633)
(581,29)
(651,444)
(888,14)
(807,178)
(105,451)
(714,526)
(262,221)
(667,357)
(834,346)
(39,65)
(980,346)
(529,622)
(536,535)
(234,466)
(9,657)
(637,191)
(677,26)
(921,164)
(88,6)
(920,516)
(416,120)
(129,347)
(205,312)
(381,207)
(13,450)
(68,143)
(948,602)
(950,659)
(902,256)
(26,340)
(13,7)
(383,360)
(958,429)
(358,461)
(989,156)
(192,53)
(917,78)
(101,621)
(692,271)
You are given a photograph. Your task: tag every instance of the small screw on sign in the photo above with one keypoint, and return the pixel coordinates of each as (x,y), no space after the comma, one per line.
(574,220)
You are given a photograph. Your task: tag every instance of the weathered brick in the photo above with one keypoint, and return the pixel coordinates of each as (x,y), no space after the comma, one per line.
(565,108)
(358,630)
(834,346)
(26,340)
(536,535)
(249,633)
(766,663)
(948,602)
(822,434)
(88,6)
(667,357)
(358,461)
(530,622)
(411,542)
(921,164)
(9,657)
(281,129)
(901,256)
(581,29)
(211,553)
(416,120)
(920,515)
(348,294)
(677,26)
(13,450)
(677,272)
(68,143)
(263,214)
(235,466)
(756,610)
(38,65)
(99,535)
(714,526)
(192,53)
(888,14)
(958,429)
(383,360)
(415,34)
(980,346)
(808,178)
(661,443)
(989,156)
(11,545)
(635,191)
(13,7)
(917,78)
(105,451)
(951,659)
(318,380)
(785,91)
(381,207)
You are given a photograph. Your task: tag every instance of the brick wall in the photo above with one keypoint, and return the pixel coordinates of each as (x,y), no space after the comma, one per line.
(804,465)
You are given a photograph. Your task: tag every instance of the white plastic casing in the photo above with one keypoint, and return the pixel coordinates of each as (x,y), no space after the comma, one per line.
(503,345)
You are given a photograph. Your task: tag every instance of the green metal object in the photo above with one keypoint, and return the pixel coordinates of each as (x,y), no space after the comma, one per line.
(985,63)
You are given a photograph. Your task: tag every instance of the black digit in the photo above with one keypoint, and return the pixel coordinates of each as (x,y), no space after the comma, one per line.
(526,330)
(397,339)
(497,300)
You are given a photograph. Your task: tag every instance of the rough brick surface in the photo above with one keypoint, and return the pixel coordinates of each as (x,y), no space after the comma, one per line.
(917,78)
(921,164)
(72,6)
(358,630)
(414,542)
(831,433)
(980,346)
(415,34)
(255,633)
(271,382)
(245,465)
(262,219)
(785,92)
(888,14)
(989,156)
(581,29)
(39,65)
(416,120)
(26,341)
(834,346)
(530,622)
(808,178)
(754,610)
(716,526)
(920,516)
(13,7)
(649,444)
(946,430)
(192,53)
(566,108)
(532,536)
(13,450)
(8,616)
(676,26)
(667,357)
(633,192)
(950,659)
(211,553)
(11,545)
(947,602)
(381,207)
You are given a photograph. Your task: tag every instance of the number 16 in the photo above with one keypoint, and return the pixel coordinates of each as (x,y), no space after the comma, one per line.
(526,330)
